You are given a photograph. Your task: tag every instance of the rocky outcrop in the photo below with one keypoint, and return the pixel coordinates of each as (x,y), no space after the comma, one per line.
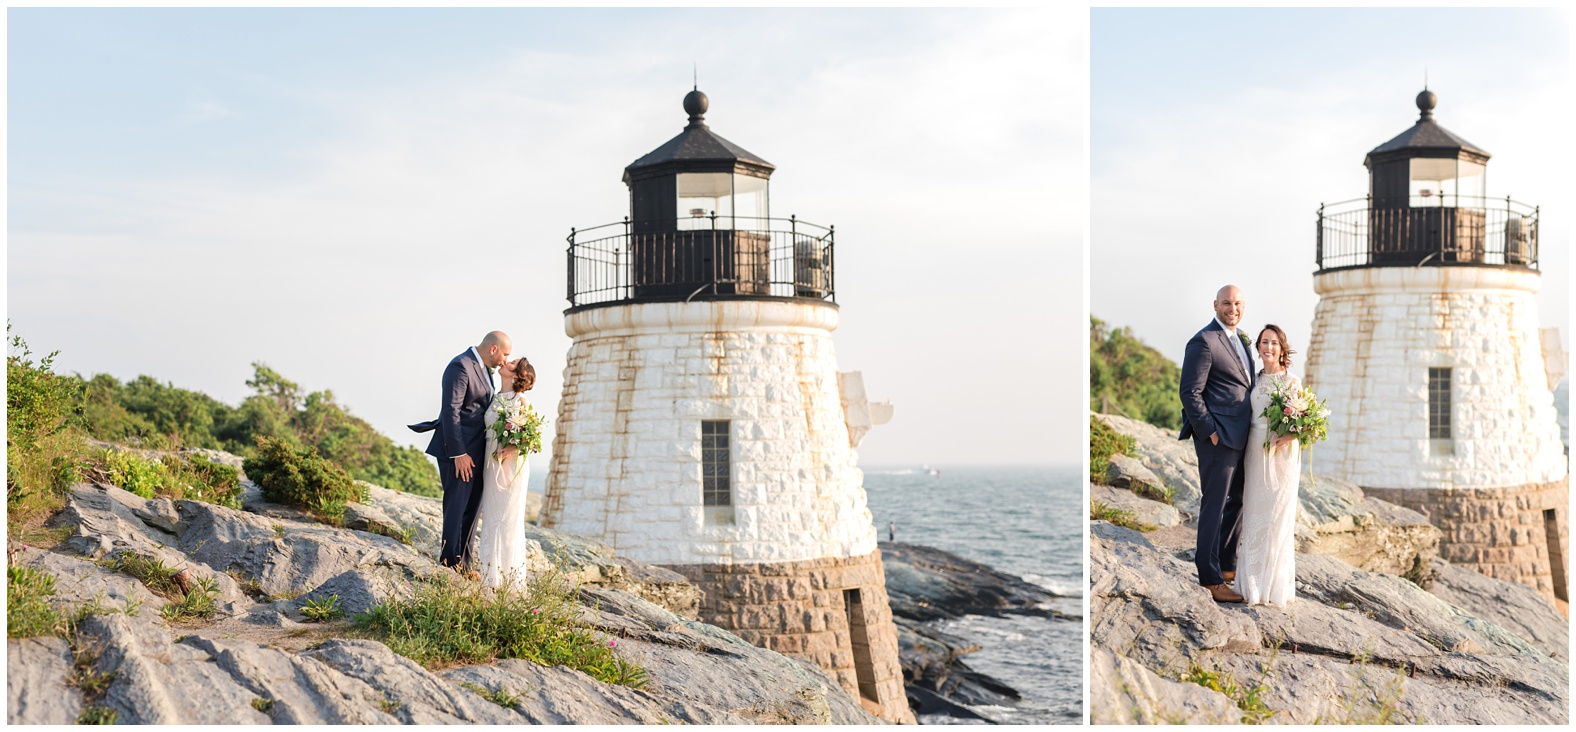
(1354,647)
(1122,691)
(925,583)
(928,585)
(1335,517)
(1144,510)
(256,661)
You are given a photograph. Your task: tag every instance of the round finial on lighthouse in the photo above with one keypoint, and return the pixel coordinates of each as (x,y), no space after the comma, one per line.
(1425,104)
(695,103)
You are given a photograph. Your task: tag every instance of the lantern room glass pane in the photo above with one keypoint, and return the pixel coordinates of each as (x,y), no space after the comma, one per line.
(750,203)
(702,194)
(1446,182)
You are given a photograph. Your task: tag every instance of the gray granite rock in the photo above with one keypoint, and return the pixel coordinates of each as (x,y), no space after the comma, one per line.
(1170,459)
(296,689)
(1353,647)
(1122,691)
(1510,605)
(1130,473)
(1144,510)
(157,681)
(36,689)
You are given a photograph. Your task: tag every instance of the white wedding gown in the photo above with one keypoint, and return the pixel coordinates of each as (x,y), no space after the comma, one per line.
(1266,545)
(500,521)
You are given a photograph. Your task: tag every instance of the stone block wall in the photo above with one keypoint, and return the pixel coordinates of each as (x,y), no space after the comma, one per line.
(1377,331)
(1504,533)
(638,381)
(798,609)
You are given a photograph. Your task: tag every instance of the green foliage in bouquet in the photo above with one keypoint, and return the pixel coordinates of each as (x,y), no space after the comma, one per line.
(302,478)
(1129,378)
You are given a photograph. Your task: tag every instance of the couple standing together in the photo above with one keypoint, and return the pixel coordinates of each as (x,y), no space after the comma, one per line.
(1248,513)
(479,480)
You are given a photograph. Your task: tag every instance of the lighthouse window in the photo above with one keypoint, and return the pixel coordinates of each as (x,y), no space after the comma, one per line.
(700,196)
(1439,404)
(716,464)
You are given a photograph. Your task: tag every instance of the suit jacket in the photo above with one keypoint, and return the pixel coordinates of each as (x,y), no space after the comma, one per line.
(460,428)
(1215,388)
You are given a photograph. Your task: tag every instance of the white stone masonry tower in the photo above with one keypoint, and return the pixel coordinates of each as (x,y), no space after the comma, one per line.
(1427,347)
(703,424)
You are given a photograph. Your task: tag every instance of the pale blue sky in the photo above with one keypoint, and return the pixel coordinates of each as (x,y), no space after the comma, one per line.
(1215,135)
(191,190)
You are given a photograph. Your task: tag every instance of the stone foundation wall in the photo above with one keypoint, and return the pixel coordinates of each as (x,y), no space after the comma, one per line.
(798,609)
(1503,533)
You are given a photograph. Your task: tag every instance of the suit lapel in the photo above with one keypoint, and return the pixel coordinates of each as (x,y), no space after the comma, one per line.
(1231,348)
(479,367)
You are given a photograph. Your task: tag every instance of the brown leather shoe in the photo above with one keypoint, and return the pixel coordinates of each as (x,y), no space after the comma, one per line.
(1229,575)
(1223,593)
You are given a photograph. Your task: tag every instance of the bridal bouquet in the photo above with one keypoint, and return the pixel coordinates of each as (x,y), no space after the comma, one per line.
(518,426)
(1296,412)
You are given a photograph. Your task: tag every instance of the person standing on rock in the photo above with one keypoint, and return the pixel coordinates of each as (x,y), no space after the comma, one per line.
(1217,377)
(459,442)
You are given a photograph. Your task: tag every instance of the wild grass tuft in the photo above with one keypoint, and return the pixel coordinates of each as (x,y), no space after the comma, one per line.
(501,696)
(1120,516)
(1250,699)
(197,602)
(453,621)
(28,612)
(322,609)
(97,715)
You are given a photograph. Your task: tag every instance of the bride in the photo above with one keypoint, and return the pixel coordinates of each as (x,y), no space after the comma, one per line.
(1266,560)
(500,534)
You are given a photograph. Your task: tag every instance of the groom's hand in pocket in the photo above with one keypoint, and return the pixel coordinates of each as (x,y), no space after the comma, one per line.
(1214,438)
(463,466)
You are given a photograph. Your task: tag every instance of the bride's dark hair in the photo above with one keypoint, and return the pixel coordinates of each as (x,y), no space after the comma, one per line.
(1286,352)
(524,376)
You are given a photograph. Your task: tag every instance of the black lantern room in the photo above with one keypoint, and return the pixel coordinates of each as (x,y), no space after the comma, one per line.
(1427,205)
(699,228)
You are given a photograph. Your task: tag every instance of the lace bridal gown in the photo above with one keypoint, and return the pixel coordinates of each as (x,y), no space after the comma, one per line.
(500,531)
(1266,551)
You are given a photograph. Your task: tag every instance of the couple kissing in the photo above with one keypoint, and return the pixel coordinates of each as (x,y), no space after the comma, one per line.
(481,464)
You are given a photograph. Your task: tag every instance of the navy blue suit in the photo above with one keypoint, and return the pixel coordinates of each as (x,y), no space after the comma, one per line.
(460,430)
(1215,388)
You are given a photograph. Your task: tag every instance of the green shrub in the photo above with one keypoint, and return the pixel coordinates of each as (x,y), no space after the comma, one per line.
(197,478)
(1103,443)
(302,478)
(146,478)
(1249,699)
(42,445)
(454,621)
(1129,378)
(28,612)
(97,715)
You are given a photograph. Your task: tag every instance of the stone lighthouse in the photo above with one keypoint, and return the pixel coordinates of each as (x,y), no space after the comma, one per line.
(704,425)
(1427,347)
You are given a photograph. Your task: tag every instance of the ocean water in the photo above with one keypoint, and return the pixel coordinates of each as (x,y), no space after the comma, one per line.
(1024,520)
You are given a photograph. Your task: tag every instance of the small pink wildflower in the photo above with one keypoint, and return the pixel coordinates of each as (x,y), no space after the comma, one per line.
(612,644)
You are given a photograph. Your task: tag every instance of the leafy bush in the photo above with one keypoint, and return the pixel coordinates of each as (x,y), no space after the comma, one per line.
(28,612)
(1103,443)
(130,472)
(151,414)
(1129,378)
(452,621)
(302,478)
(41,447)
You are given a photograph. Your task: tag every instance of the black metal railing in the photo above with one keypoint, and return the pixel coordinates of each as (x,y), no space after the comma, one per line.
(700,258)
(1475,231)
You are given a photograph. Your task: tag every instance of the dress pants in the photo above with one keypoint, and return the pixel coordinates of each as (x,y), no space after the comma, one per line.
(1221,475)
